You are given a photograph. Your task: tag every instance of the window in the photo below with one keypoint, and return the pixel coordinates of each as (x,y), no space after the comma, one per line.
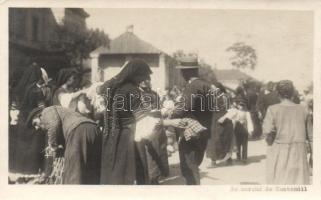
(17,23)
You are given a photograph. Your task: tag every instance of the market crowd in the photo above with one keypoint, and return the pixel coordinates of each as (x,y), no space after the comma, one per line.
(122,132)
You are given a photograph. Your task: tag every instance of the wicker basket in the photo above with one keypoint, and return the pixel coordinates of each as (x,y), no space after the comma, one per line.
(57,171)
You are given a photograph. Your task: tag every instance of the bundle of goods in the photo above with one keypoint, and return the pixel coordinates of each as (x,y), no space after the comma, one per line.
(54,165)
(57,171)
(192,128)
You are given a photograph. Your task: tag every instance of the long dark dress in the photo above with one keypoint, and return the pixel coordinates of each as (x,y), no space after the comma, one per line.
(220,138)
(214,149)
(123,159)
(30,143)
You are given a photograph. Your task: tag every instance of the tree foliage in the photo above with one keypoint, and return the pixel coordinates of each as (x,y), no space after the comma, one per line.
(77,42)
(245,56)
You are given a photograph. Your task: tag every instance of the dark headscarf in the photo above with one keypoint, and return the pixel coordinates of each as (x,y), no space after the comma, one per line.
(132,71)
(285,89)
(30,76)
(64,74)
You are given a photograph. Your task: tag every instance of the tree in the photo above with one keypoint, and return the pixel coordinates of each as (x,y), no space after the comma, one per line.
(244,56)
(77,43)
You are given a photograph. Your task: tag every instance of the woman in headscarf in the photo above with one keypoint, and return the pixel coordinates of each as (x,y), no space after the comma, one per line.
(122,159)
(285,129)
(221,134)
(66,95)
(28,158)
(31,75)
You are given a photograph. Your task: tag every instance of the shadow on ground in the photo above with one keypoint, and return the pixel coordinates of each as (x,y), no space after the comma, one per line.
(174,177)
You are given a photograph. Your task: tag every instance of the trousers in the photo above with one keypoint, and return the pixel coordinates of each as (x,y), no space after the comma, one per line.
(241,135)
(191,154)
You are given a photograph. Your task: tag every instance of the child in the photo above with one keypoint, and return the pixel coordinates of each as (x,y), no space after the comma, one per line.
(243,127)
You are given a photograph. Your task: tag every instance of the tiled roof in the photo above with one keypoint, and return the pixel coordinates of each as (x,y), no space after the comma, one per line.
(128,43)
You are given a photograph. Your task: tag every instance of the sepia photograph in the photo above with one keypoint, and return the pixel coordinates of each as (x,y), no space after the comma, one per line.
(135,96)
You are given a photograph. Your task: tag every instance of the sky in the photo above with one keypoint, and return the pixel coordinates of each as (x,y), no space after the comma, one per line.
(282,39)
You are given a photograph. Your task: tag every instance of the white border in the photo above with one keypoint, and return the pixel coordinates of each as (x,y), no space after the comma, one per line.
(153,192)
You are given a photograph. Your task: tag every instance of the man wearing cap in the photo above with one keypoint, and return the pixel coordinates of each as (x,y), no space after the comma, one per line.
(196,106)
(82,142)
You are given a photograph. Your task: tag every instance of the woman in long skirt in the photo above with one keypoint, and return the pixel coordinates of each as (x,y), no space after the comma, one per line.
(123,159)
(285,129)
(27,152)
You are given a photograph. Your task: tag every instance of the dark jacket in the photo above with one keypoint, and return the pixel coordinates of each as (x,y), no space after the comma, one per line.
(196,102)
(266,100)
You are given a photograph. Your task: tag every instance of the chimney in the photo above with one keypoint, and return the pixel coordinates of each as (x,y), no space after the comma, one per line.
(130,28)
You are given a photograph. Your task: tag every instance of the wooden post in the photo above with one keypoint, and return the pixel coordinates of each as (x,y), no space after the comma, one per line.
(162,74)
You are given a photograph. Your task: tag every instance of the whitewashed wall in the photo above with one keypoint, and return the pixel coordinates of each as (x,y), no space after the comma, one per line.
(158,66)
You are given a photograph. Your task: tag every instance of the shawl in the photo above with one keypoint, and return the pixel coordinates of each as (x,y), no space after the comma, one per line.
(30,76)
(131,70)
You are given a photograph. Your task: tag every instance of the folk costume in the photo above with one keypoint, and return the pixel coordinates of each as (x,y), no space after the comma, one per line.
(28,151)
(220,141)
(124,160)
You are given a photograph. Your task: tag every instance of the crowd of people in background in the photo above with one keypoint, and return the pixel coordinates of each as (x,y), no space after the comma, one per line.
(55,119)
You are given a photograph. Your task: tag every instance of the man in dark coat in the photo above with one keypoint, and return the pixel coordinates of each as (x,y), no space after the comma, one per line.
(196,102)
(267,98)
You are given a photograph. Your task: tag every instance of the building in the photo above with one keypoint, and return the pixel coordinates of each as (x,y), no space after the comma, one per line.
(107,61)
(32,31)
(231,78)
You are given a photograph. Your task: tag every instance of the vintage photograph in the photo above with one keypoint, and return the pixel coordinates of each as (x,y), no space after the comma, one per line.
(149,96)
